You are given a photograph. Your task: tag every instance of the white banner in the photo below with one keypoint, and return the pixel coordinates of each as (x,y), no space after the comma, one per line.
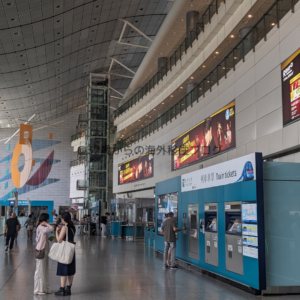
(76,173)
(236,170)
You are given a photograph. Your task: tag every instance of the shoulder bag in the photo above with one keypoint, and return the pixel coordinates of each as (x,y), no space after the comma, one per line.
(63,252)
(39,254)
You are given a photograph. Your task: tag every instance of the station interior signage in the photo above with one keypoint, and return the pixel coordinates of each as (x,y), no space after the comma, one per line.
(210,137)
(290,79)
(138,168)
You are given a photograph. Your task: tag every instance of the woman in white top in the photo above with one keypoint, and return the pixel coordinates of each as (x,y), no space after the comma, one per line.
(41,278)
(228,137)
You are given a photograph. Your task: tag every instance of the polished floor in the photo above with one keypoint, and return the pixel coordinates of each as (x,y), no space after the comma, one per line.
(112,270)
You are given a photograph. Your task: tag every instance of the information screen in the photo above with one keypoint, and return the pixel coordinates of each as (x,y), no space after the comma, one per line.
(290,76)
(212,136)
(136,169)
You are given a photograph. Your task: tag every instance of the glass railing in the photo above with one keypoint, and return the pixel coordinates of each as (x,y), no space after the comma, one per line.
(77,162)
(77,135)
(258,32)
(188,41)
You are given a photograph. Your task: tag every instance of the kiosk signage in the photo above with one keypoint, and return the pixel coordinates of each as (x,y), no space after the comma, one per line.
(236,170)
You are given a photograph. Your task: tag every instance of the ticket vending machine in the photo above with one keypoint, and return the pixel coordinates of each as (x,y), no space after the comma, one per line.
(193,231)
(233,237)
(211,233)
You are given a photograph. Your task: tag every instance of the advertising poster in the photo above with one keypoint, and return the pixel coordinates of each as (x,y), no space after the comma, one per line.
(211,136)
(290,78)
(136,169)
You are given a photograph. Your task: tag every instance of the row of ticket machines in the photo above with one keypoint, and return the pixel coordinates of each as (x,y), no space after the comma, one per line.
(209,226)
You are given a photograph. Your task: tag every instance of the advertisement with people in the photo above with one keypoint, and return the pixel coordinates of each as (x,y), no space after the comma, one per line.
(212,136)
(136,169)
(290,78)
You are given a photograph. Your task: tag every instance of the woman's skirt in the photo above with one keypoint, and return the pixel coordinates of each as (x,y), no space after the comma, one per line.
(41,276)
(66,270)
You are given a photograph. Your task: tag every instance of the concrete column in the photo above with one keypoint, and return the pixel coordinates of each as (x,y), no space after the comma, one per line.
(192,17)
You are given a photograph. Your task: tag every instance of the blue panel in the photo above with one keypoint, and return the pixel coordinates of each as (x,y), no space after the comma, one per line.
(242,191)
(6,172)
(5,185)
(7,147)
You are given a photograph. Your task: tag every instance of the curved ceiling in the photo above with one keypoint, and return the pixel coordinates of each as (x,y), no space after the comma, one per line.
(49,48)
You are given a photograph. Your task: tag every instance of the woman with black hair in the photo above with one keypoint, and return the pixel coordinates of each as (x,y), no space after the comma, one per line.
(41,278)
(65,271)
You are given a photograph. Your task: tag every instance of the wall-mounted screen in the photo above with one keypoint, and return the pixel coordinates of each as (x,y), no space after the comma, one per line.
(136,169)
(165,204)
(290,79)
(212,136)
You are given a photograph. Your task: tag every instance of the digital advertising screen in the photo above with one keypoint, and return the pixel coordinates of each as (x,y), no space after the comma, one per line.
(211,136)
(138,168)
(290,79)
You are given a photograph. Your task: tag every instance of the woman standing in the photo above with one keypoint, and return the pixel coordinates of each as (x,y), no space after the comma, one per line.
(65,271)
(30,224)
(41,278)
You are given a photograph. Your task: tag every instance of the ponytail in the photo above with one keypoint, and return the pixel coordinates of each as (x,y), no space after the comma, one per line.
(66,216)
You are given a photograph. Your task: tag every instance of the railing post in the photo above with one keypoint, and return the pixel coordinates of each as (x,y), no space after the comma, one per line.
(265,30)
(277,13)
(293,6)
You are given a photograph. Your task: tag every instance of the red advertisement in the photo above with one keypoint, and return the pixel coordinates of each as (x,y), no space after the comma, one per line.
(290,76)
(136,169)
(212,136)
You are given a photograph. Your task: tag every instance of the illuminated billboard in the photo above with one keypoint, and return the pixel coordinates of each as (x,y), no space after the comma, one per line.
(136,169)
(290,78)
(212,136)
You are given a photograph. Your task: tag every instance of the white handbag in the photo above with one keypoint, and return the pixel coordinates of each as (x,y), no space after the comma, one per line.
(62,252)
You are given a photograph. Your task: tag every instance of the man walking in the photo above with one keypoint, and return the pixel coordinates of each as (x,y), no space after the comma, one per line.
(169,229)
(11,228)
(103,221)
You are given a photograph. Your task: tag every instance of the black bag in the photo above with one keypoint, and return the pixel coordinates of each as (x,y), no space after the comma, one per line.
(39,254)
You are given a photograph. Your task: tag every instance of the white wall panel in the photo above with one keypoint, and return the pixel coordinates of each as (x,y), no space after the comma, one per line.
(256,88)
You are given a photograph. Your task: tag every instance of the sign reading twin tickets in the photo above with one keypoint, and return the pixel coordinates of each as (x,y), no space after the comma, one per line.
(290,79)
(136,169)
(212,136)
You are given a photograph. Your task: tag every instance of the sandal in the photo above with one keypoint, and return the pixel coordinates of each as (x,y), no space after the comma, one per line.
(40,293)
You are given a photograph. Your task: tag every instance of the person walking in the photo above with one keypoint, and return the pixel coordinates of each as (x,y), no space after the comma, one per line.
(41,276)
(97,224)
(10,231)
(103,222)
(66,271)
(29,224)
(169,229)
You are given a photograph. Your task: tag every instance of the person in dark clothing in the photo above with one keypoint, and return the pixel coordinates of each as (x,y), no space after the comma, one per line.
(66,271)
(169,229)
(11,228)
(103,222)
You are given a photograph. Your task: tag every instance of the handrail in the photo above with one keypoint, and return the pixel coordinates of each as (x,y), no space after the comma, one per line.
(188,41)
(258,32)
(77,162)
(77,135)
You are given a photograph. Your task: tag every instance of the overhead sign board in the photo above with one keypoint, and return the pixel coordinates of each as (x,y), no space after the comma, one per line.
(236,170)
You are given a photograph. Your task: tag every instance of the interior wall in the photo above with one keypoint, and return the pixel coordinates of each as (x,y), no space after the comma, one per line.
(255,85)
(54,186)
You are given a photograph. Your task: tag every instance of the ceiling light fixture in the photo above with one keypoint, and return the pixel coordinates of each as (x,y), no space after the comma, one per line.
(273,24)
(182,20)
(250,16)
(192,77)
(163,103)
(232,36)
(171,96)
(19,130)
(181,87)
(217,52)
(203,66)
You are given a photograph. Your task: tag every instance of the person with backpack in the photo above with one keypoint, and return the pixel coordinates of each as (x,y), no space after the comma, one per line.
(29,224)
